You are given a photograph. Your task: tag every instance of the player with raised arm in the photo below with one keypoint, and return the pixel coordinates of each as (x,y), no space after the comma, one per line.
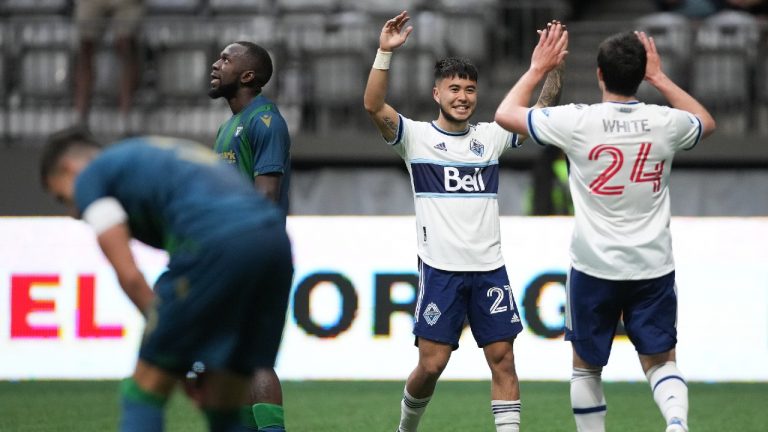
(221,301)
(620,154)
(455,176)
(255,140)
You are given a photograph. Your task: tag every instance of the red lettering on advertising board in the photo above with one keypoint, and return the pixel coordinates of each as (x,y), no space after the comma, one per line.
(86,308)
(23,305)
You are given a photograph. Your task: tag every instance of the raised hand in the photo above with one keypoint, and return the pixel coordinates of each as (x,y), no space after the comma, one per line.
(551,49)
(653,61)
(393,35)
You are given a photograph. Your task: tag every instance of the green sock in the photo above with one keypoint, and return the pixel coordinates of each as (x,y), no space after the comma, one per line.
(269,416)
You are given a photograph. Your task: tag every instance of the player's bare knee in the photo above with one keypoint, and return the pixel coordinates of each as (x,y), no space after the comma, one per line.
(499,354)
(433,366)
(649,362)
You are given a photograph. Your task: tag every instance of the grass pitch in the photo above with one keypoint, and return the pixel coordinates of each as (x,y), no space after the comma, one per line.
(357,406)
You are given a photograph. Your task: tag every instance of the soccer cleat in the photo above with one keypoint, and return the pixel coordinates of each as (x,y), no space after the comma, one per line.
(676,425)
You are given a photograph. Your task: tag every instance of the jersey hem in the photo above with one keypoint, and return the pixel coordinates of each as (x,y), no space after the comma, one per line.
(269,170)
(463,267)
(624,276)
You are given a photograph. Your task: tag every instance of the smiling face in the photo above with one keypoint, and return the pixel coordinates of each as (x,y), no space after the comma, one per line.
(457,98)
(227,71)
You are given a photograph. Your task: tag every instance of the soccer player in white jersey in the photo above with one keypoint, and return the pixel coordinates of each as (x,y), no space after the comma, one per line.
(620,153)
(455,176)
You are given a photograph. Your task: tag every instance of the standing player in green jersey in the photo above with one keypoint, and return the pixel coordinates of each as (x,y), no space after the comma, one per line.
(256,141)
(255,138)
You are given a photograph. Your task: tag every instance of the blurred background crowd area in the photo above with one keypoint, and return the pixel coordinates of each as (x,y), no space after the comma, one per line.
(322,51)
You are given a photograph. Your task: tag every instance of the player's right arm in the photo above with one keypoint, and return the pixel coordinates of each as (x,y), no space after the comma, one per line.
(677,97)
(393,35)
(109,220)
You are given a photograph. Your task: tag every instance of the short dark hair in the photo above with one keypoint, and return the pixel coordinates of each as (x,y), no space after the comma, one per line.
(59,144)
(259,61)
(455,67)
(621,58)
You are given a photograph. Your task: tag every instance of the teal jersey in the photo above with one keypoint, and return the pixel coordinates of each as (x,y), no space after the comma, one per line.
(256,142)
(177,194)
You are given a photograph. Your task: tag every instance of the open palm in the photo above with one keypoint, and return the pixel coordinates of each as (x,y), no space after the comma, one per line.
(393,35)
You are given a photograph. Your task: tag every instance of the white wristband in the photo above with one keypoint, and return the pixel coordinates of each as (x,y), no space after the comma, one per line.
(382,60)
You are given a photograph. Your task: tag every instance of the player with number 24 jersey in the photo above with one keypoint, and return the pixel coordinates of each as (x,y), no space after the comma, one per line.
(620,158)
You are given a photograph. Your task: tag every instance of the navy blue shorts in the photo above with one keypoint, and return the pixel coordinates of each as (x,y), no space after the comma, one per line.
(446,299)
(223,305)
(648,308)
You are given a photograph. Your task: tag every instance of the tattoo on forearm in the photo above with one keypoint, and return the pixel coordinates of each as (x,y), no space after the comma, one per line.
(390,124)
(553,87)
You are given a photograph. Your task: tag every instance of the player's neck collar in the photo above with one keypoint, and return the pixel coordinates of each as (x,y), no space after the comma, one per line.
(629,102)
(443,131)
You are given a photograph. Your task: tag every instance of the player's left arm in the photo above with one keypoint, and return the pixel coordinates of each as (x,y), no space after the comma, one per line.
(270,185)
(271,154)
(549,53)
(115,243)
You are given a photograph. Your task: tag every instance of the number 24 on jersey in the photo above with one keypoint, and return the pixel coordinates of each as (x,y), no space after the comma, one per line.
(600,186)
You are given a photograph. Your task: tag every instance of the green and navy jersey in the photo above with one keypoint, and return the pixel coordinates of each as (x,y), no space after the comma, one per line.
(177,195)
(256,141)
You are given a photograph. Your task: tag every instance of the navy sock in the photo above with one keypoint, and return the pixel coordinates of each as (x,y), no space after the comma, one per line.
(141,410)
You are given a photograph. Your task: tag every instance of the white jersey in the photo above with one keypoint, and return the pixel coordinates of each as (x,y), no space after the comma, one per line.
(620,157)
(455,180)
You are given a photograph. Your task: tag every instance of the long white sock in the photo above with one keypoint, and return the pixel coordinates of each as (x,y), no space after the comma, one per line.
(670,392)
(506,415)
(587,400)
(411,410)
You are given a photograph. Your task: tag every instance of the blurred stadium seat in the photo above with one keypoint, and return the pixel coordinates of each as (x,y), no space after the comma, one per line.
(761,84)
(172,6)
(306,5)
(260,29)
(338,80)
(672,34)
(482,6)
(4,82)
(469,36)
(34,7)
(40,100)
(725,47)
(180,53)
(183,73)
(411,81)
(380,8)
(303,31)
(242,6)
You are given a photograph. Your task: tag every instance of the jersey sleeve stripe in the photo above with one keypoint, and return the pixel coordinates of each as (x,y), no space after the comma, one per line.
(531,130)
(698,135)
(399,135)
(104,213)
(514,141)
